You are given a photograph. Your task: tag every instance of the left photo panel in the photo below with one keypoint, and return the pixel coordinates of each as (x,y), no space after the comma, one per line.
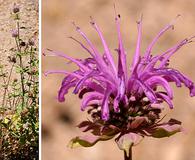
(19,79)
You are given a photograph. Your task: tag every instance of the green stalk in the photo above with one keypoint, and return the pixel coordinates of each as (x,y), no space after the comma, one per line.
(21,65)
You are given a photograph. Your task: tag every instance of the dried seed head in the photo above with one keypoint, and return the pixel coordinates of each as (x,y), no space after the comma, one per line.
(31,42)
(12,59)
(22,44)
(16,8)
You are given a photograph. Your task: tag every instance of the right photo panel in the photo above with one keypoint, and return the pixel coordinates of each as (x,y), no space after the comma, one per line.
(118,80)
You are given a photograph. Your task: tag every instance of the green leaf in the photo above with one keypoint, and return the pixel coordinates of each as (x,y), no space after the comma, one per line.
(6,120)
(87,141)
(90,126)
(22,140)
(166,130)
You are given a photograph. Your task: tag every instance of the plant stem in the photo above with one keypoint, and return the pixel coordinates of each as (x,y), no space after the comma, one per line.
(30,76)
(22,80)
(6,87)
(128,157)
(20,63)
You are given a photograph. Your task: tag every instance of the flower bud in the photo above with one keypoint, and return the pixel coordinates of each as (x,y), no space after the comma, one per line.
(152,115)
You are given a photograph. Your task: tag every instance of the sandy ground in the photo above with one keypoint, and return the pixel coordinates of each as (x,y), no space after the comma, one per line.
(59,119)
(29,20)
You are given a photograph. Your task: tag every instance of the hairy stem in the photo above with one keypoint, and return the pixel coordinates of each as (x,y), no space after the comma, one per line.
(128,157)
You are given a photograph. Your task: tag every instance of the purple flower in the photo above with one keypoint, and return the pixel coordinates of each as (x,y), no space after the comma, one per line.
(122,100)
(14,33)
(106,84)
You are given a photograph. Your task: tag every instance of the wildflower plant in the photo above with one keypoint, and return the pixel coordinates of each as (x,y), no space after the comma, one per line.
(19,107)
(123,102)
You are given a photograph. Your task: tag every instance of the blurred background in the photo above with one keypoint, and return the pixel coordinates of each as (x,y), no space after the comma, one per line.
(59,119)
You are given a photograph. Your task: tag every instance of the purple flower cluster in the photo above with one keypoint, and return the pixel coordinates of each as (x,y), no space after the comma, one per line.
(121,99)
(107,84)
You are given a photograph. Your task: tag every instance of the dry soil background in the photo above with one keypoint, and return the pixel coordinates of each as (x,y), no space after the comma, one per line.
(59,119)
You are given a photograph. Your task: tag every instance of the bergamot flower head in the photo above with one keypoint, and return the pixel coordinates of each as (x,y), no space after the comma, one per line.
(123,101)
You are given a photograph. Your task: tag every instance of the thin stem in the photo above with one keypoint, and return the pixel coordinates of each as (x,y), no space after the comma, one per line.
(3,75)
(128,157)
(22,80)
(21,65)
(6,86)
(4,81)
